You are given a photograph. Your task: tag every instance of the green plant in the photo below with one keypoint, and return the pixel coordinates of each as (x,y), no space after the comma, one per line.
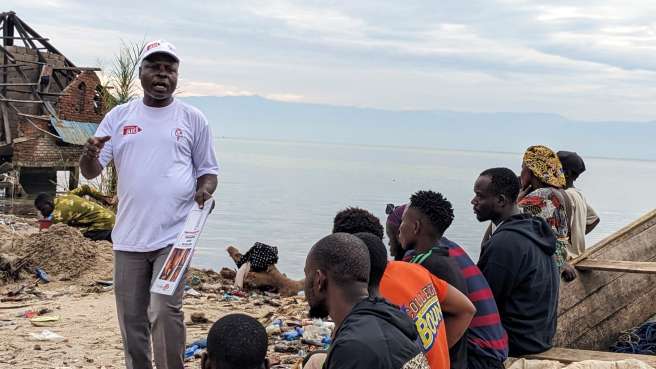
(120,87)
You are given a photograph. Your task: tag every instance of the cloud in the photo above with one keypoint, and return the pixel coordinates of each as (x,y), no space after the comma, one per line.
(285,97)
(585,59)
(202,88)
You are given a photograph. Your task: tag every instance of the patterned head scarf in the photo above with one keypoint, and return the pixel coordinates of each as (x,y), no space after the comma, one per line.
(545,165)
(394,214)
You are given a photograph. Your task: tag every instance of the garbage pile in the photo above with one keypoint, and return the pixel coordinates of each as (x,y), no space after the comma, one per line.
(292,336)
(61,252)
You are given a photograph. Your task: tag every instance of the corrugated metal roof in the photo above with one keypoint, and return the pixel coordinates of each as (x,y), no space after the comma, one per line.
(73,132)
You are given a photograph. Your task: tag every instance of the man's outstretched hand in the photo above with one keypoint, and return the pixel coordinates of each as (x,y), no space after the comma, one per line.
(94,145)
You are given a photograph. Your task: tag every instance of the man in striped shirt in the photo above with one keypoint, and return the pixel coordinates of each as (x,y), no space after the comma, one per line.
(423,224)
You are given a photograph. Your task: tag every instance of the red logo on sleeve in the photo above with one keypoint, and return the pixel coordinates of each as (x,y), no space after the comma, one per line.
(132,129)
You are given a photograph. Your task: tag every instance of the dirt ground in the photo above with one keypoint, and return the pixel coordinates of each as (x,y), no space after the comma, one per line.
(82,304)
(88,323)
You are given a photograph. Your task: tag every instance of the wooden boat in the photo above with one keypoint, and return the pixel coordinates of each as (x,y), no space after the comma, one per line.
(615,291)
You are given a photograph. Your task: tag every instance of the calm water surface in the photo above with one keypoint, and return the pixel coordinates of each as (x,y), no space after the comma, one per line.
(287,193)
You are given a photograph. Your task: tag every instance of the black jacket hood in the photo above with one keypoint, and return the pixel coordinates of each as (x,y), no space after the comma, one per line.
(534,228)
(384,310)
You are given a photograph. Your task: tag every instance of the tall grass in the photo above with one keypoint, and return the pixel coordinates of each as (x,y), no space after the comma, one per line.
(121,86)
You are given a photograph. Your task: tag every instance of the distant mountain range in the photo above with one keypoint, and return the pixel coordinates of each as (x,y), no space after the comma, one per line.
(259,118)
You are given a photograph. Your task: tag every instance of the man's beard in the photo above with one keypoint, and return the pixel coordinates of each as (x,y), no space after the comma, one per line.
(409,247)
(319,310)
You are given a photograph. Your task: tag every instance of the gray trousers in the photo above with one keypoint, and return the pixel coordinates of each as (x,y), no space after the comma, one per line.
(142,314)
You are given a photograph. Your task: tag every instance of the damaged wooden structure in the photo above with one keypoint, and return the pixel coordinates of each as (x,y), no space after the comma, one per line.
(48,107)
(614,292)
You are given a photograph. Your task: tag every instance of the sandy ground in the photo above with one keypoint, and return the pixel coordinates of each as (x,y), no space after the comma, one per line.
(87,312)
(88,323)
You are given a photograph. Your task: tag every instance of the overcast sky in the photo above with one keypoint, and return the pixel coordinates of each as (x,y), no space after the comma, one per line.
(592,60)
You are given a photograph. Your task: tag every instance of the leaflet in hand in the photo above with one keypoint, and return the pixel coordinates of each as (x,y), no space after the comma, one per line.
(179,258)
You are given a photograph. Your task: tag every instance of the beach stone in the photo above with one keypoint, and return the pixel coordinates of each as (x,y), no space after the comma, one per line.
(37,347)
(199,318)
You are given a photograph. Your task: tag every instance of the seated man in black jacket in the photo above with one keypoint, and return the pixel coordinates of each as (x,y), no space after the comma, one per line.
(518,263)
(370,333)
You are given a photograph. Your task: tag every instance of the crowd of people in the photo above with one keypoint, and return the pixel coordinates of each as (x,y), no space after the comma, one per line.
(429,307)
(432,306)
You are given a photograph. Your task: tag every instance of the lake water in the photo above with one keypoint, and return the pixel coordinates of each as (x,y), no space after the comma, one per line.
(287,193)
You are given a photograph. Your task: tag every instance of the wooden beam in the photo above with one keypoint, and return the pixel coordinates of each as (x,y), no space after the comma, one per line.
(14,65)
(50,48)
(27,40)
(42,117)
(18,38)
(5,120)
(567,356)
(8,30)
(645,267)
(601,336)
(634,243)
(623,232)
(23,139)
(22,101)
(95,69)
(599,304)
(18,84)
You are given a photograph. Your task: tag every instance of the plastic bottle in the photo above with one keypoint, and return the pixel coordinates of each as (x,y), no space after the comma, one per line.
(275,327)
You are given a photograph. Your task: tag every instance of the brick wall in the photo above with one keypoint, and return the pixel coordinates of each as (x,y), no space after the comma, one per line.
(41,149)
(44,152)
(78,102)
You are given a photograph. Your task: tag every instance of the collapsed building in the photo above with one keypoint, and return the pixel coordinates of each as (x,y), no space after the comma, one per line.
(49,107)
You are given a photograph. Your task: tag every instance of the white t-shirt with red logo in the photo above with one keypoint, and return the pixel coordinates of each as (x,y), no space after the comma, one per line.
(158,153)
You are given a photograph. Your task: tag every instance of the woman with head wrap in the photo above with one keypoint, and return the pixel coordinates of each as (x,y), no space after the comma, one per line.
(542,180)
(394,216)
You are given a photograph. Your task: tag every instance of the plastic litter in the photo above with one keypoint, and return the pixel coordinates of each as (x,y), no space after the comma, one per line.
(44,321)
(33,313)
(296,334)
(317,331)
(42,275)
(229,297)
(195,281)
(192,292)
(274,328)
(47,335)
(194,348)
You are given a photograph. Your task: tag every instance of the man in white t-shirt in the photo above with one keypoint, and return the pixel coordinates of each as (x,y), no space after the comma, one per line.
(583,219)
(163,152)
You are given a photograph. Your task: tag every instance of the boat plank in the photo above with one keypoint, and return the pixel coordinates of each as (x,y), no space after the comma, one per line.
(646,267)
(619,237)
(618,295)
(565,355)
(605,334)
(639,247)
